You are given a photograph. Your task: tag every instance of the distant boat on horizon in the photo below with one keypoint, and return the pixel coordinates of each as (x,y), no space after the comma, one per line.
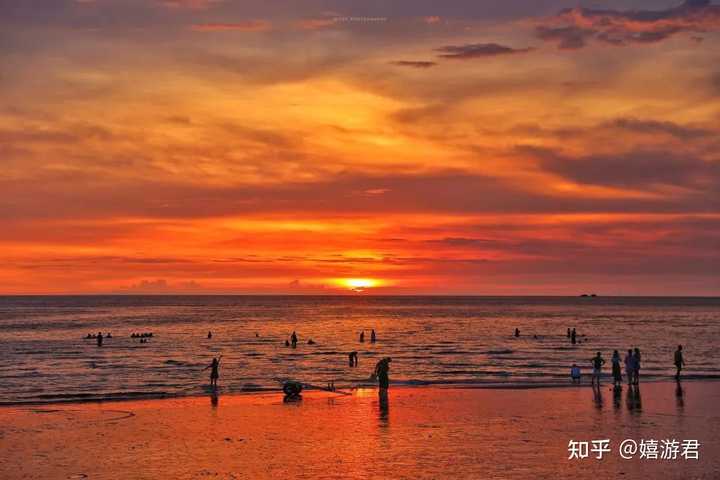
(588,295)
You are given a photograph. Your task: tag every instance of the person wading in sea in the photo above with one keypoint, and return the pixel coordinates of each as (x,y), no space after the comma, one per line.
(215,371)
(382,370)
(679,361)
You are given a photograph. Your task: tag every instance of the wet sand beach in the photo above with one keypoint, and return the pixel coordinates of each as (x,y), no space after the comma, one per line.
(417,433)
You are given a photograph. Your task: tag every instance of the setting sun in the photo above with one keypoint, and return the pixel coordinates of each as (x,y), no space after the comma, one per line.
(359,284)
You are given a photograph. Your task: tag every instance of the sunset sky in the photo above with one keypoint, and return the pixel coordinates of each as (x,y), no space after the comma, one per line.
(329,146)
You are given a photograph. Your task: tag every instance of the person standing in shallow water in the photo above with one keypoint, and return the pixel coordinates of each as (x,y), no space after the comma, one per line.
(517,332)
(293,339)
(362,336)
(616,372)
(353,358)
(99,339)
(373,337)
(214,371)
(636,366)
(629,369)
(382,372)
(597,362)
(573,337)
(679,361)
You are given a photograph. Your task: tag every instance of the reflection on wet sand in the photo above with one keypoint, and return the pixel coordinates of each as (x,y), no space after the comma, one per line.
(384,405)
(435,433)
(597,397)
(679,396)
(617,397)
(633,399)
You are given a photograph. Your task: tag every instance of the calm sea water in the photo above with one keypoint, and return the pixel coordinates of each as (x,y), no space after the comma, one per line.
(432,340)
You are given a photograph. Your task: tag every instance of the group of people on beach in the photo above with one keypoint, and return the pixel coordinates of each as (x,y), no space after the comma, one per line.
(381,372)
(632,362)
(632,367)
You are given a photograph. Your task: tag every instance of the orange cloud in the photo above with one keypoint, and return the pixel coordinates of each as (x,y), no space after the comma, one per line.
(248,26)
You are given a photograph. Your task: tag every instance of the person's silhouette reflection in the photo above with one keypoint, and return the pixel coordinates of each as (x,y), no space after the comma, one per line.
(597,396)
(617,396)
(384,405)
(214,398)
(633,400)
(679,395)
(638,399)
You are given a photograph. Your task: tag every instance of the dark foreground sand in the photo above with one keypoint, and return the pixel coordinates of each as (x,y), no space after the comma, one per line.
(420,433)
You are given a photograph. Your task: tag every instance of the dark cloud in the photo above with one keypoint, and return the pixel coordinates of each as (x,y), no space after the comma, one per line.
(414,63)
(573,28)
(478,50)
(661,127)
(567,37)
(636,170)
(47,195)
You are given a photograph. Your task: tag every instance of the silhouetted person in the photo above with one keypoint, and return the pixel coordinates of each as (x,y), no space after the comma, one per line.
(108,335)
(99,339)
(679,362)
(362,336)
(293,339)
(373,337)
(517,332)
(616,371)
(568,333)
(287,342)
(382,371)
(573,337)
(575,374)
(292,391)
(353,358)
(311,342)
(629,366)
(209,335)
(214,371)
(597,362)
(636,366)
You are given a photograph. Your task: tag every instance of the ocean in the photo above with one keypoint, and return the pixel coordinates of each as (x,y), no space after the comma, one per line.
(433,340)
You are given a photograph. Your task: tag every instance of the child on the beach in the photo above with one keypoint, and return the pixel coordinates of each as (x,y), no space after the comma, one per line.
(215,371)
(575,373)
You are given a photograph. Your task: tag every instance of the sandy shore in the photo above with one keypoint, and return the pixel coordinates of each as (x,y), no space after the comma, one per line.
(418,433)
